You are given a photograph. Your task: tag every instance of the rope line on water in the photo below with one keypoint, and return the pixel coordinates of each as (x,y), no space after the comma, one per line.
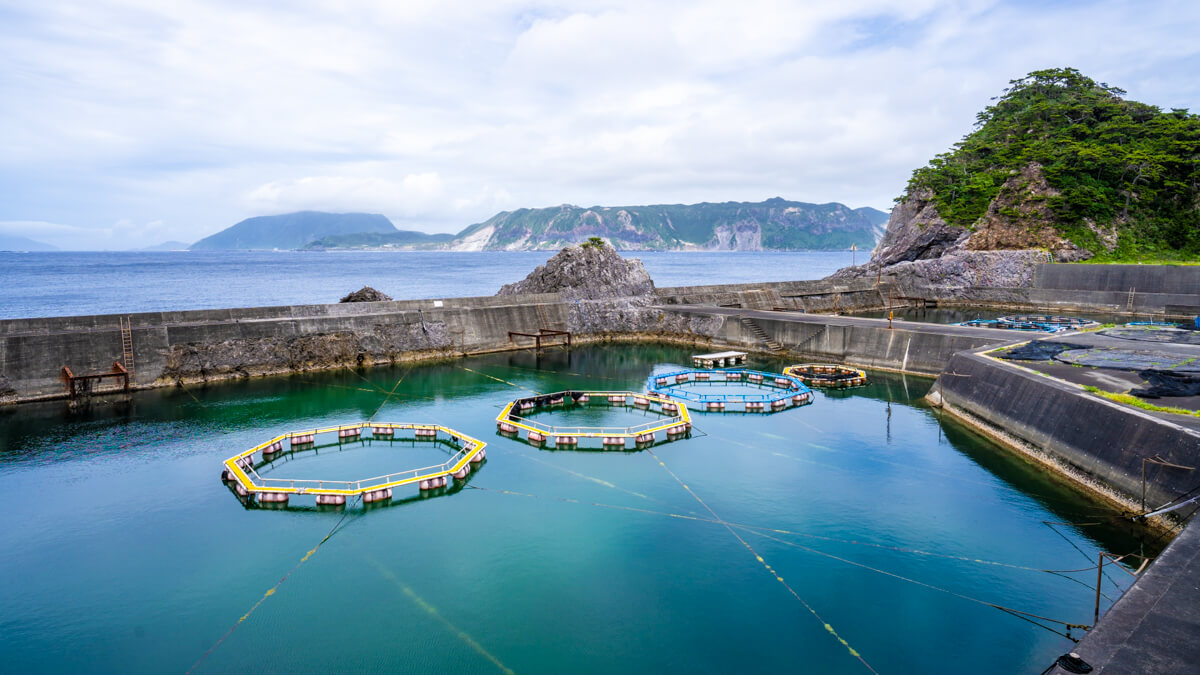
(598,481)
(956,594)
(390,394)
(433,611)
(828,626)
(776,530)
(271,591)
(492,377)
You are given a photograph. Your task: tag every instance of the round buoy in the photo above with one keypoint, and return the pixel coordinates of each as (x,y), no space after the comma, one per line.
(566,440)
(424,484)
(507,428)
(331,500)
(716,405)
(584,398)
(754,406)
(461,474)
(614,440)
(536,437)
(273,497)
(641,401)
(478,457)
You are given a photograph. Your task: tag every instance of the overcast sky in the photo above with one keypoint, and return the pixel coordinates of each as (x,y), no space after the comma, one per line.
(124,124)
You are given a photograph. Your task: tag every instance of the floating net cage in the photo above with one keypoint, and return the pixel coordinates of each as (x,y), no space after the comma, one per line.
(670,422)
(827,375)
(242,475)
(766,392)
(1043,323)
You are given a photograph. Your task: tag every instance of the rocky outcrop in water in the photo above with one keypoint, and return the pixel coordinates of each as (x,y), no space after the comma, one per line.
(366,294)
(591,270)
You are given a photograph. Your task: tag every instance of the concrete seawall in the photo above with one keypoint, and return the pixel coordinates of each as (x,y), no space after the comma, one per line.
(1096,441)
(918,348)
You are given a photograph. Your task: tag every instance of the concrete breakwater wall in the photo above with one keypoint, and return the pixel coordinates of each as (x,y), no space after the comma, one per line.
(918,348)
(1100,443)
(204,345)
(1168,290)
(810,296)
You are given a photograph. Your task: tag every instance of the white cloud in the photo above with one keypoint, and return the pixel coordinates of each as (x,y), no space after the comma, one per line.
(196,114)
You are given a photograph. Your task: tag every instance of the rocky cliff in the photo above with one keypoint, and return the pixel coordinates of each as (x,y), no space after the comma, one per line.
(921,250)
(1061,168)
(774,224)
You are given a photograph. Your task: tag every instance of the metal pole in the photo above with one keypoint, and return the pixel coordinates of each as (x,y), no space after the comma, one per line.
(1099,580)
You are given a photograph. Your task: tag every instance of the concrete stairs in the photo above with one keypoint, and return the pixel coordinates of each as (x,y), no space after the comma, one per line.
(761,334)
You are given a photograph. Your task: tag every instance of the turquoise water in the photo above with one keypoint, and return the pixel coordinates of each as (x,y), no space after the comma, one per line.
(72,283)
(123,551)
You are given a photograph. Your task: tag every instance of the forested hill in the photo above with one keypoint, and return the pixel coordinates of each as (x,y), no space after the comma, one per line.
(293,230)
(748,226)
(1061,156)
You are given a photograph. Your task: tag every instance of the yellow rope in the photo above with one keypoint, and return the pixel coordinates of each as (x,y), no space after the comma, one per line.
(432,611)
(828,627)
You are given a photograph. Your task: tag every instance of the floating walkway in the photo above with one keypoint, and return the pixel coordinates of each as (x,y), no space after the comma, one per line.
(827,375)
(718,360)
(240,469)
(777,391)
(675,423)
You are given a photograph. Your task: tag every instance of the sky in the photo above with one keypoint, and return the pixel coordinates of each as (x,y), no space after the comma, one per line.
(128,123)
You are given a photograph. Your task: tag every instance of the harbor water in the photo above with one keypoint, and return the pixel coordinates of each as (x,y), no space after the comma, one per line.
(862,532)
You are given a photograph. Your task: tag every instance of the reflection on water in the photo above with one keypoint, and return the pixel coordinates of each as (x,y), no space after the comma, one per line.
(130,550)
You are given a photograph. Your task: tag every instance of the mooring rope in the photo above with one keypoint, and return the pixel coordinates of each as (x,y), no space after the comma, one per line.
(433,611)
(956,594)
(776,530)
(390,394)
(828,626)
(271,591)
(598,481)
(492,377)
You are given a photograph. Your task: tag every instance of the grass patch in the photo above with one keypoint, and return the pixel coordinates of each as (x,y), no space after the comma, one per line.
(1136,402)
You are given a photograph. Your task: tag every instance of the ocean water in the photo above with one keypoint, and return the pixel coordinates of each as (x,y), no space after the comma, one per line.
(66,283)
(744,548)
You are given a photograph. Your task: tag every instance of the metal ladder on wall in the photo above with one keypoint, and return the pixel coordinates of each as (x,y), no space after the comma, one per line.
(1129,302)
(126,343)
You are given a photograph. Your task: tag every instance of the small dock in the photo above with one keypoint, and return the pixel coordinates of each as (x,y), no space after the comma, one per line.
(719,360)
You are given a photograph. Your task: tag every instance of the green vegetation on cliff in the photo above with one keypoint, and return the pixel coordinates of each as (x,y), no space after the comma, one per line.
(1125,176)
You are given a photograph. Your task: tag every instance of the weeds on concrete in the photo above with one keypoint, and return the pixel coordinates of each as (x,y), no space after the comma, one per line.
(1136,402)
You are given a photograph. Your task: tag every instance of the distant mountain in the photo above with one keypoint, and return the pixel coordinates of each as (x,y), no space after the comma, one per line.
(373,240)
(12,242)
(292,230)
(775,224)
(167,246)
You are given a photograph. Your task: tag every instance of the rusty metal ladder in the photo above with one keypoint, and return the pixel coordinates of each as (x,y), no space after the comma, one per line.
(126,343)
